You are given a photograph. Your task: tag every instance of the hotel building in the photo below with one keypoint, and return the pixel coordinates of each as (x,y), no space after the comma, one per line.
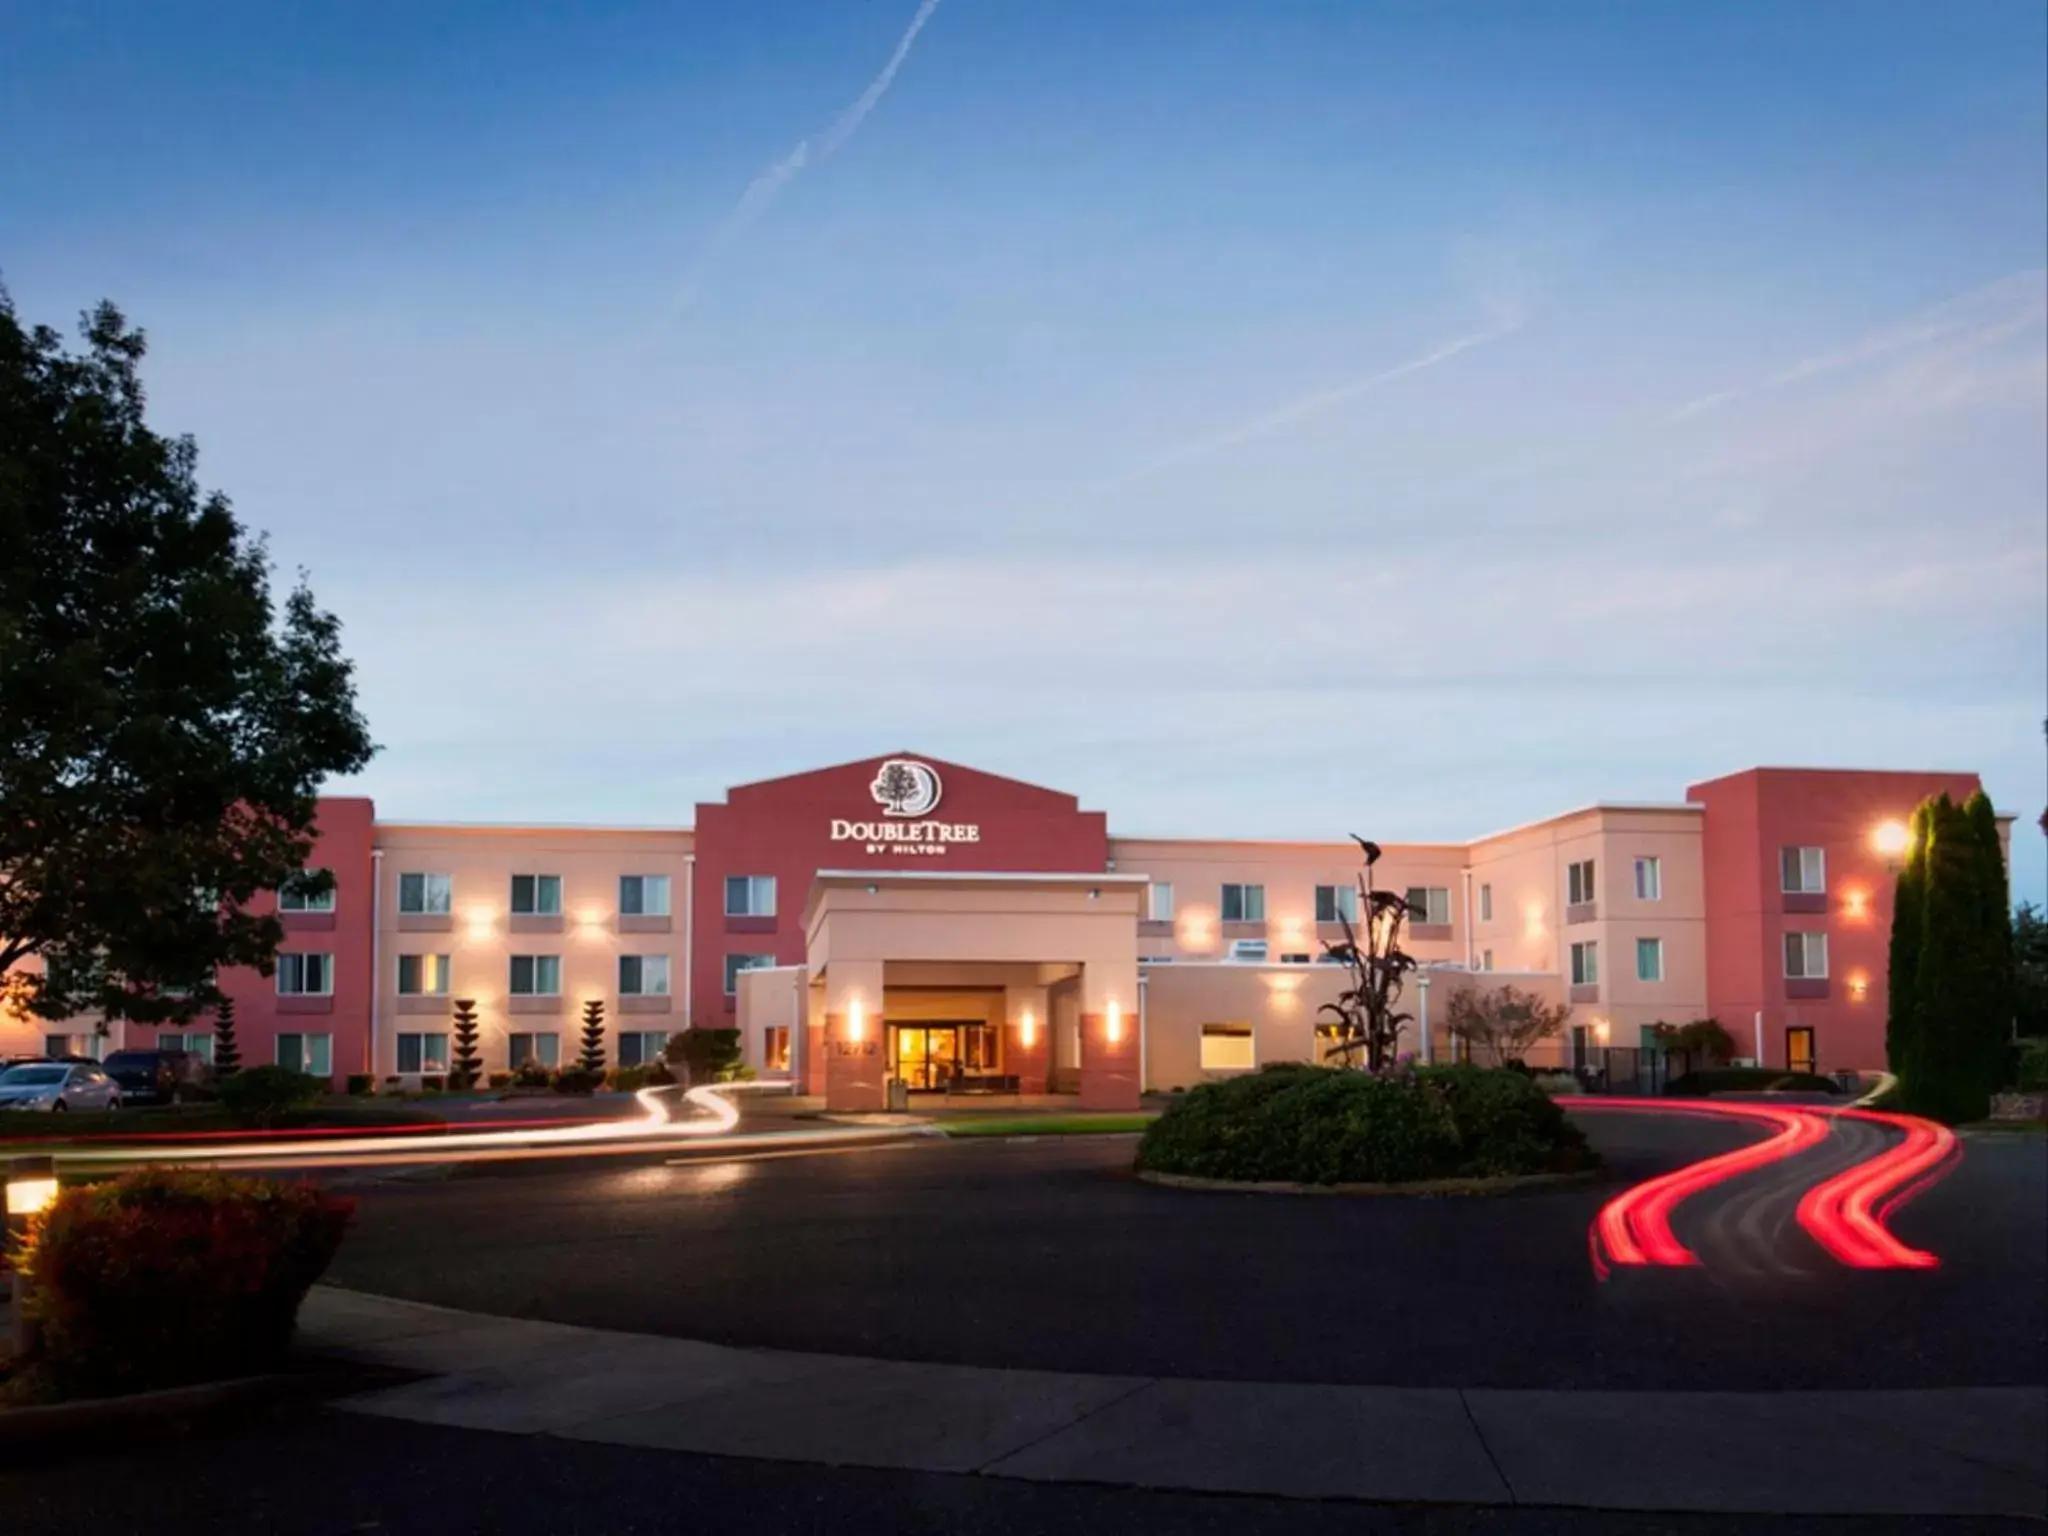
(902,917)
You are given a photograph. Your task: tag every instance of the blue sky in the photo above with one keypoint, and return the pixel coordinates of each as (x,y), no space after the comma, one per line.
(1258,418)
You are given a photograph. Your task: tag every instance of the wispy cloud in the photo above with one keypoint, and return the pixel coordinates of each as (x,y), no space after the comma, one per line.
(765,188)
(1301,408)
(1996,310)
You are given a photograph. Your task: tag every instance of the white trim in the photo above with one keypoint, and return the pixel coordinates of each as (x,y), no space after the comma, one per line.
(376,956)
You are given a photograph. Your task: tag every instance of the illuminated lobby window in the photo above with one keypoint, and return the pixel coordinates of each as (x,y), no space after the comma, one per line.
(1227,1048)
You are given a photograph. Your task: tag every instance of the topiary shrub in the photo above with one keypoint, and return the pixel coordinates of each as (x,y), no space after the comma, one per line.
(710,1055)
(258,1095)
(1320,1125)
(168,1276)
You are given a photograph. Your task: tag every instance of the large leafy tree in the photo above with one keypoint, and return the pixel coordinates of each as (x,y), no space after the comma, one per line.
(164,727)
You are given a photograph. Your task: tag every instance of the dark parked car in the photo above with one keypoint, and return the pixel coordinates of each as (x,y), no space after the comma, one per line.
(160,1077)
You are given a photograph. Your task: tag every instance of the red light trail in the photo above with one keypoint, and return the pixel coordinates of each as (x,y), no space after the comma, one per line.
(1844,1214)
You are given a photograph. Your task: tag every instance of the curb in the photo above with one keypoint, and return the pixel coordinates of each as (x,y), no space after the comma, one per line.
(1508,1184)
(23,1429)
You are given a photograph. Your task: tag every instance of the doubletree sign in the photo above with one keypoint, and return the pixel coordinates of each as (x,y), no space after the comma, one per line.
(908,791)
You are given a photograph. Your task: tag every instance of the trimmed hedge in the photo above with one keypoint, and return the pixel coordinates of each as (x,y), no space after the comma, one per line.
(1698,1085)
(1323,1125)
(165,1277)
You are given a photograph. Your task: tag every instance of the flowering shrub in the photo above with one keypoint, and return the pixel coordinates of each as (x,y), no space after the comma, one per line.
(1318,1125)
(167,1276)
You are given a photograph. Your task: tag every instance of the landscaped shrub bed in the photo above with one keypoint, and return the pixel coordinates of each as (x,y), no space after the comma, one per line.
(164,1277)
(1322,1125)
(1698,1085)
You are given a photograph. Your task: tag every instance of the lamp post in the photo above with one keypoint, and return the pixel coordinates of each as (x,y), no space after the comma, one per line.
(31,1190)
(1427,1053)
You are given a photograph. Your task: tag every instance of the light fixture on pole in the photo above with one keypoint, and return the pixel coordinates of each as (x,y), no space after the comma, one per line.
(31,1190)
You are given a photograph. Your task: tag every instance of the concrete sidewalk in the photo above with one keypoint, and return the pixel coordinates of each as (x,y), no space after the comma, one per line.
(1962,1451)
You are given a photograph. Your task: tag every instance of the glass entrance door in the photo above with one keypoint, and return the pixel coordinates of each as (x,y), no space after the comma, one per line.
(924,1056)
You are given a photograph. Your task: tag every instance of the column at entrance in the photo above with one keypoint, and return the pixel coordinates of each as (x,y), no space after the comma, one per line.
(856,1044)
(1109,1037)
(1027,1036)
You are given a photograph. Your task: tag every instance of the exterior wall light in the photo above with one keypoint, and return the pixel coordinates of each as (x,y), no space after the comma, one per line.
(1113,1023)
(853,1019)
(1027,1030)
(1891,839)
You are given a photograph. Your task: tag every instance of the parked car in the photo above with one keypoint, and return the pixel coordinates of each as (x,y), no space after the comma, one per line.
(56,1086)
(160,1077)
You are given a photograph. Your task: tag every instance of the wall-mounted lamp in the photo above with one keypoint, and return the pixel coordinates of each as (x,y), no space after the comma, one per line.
(1891,839)
(1113,1023)
(873,889)
(1027,1030)
(1094,893)
(31,1186)
(1859,987)
(853,1018)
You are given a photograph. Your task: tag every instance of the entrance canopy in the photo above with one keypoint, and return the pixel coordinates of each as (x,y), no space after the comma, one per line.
(1041,951)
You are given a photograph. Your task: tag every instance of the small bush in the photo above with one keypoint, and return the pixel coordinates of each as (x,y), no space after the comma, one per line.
(432,1082)
(1698,1085)
(658,1073)
(2030,1073)
(626,1079)
(531,1074)
(360,1083)
(258,1095)
(712,1055)
(501,1079)
(1321,1125)
(578,1080)
(168,1276)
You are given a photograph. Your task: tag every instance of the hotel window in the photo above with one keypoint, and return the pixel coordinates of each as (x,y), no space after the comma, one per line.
(1159,901)
(1228,1048)
(423,975)
(423,1053)
(1649,959)
(1486,959)
(1803,871)
(536,895)
(775,1048)
(1252,951)
(734,964)
(304,896)
(1586,964)
(643,895)
(643,975)
(1335,901)
(749,895)
(310,1054)
(638,1047)
(1429,904)
(543,1050)
(1578,882)
(425,895)
(536,975)
(305,975)
(199,1045)
(1806,956)
(1244,903)
(1649,879)
(1486,903)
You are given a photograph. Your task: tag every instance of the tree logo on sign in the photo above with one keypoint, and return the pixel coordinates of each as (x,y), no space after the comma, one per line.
(906,787)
